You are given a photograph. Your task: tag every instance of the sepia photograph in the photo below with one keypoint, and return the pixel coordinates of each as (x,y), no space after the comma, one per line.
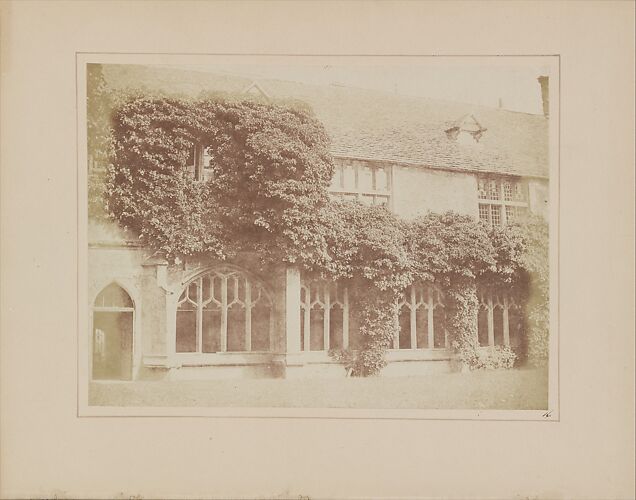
(317,250)
(333,232)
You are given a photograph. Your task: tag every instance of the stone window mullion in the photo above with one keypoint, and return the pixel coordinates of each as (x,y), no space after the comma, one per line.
(199,319)
(431,321)
(326,316)
(224,308)
(499,200)
(491,323)
(307,320)
(248,316)
(206,325)
(413,318)
(502,196)
(506,326)
(345,318)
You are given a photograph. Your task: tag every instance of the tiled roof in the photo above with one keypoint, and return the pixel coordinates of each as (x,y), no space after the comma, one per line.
(388,127)
(376,125)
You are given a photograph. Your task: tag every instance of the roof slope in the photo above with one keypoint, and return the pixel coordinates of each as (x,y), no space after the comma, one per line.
(382,126)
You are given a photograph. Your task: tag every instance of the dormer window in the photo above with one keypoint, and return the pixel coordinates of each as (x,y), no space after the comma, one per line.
(467,130)
(200,163)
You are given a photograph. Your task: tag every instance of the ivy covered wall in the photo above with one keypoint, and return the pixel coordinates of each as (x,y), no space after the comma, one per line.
(267,195)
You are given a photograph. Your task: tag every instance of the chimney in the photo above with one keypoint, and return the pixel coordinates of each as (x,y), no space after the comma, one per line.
(500,103)
(545,94)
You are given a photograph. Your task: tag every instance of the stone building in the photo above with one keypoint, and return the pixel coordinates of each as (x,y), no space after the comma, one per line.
(204,319)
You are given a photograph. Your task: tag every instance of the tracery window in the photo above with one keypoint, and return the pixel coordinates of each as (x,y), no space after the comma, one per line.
(500,319)
(324,316)
(224,310)
(358,180)
(504,199)
(422,318)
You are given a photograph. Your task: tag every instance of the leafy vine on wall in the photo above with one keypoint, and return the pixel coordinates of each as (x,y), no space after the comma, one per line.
(267,194)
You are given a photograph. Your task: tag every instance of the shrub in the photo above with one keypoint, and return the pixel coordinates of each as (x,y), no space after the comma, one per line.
(492,358)
(345,356)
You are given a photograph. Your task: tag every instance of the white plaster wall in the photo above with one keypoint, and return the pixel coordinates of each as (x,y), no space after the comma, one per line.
(417,190)
(539,197)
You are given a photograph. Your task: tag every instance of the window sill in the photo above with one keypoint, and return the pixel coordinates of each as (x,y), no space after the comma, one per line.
(391,355)
(437,354)
(222,358)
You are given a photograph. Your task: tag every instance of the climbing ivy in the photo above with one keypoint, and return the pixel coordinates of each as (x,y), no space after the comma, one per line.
(367,245)
(534,261)
(270,171)
(267,195)
(454,250)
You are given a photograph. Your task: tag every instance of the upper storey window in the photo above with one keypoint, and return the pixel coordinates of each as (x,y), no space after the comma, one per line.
(501,199)
(358,180)
(200,163)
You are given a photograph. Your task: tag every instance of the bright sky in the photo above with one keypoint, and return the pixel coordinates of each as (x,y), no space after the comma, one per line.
(476,80)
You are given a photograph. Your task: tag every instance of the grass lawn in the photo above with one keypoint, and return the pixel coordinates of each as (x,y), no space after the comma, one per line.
(518,389)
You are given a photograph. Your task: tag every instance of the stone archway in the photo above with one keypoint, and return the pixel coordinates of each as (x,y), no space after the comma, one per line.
(112,335)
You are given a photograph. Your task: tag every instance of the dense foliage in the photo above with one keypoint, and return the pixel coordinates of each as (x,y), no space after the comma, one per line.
(270,170)
(494,358)
(99,108)
(268,194)
(450,246)
(367,245)
(534,261)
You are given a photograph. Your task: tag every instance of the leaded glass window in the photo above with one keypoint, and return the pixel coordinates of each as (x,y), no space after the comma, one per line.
(501,199)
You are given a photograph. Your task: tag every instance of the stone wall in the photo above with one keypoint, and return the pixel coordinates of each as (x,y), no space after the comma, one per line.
(417,190)
(154,286)
(120,265)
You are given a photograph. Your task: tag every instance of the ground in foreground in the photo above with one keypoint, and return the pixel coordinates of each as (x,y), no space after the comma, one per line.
(518,389)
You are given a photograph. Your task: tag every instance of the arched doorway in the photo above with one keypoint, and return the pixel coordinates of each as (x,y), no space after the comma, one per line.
(112,341)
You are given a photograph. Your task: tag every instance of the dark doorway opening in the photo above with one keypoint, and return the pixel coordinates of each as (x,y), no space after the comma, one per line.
(112,345)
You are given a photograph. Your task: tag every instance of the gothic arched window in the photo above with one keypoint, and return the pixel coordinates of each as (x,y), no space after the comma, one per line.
(223,310)
(500,319)
(422,318)
(324,316)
